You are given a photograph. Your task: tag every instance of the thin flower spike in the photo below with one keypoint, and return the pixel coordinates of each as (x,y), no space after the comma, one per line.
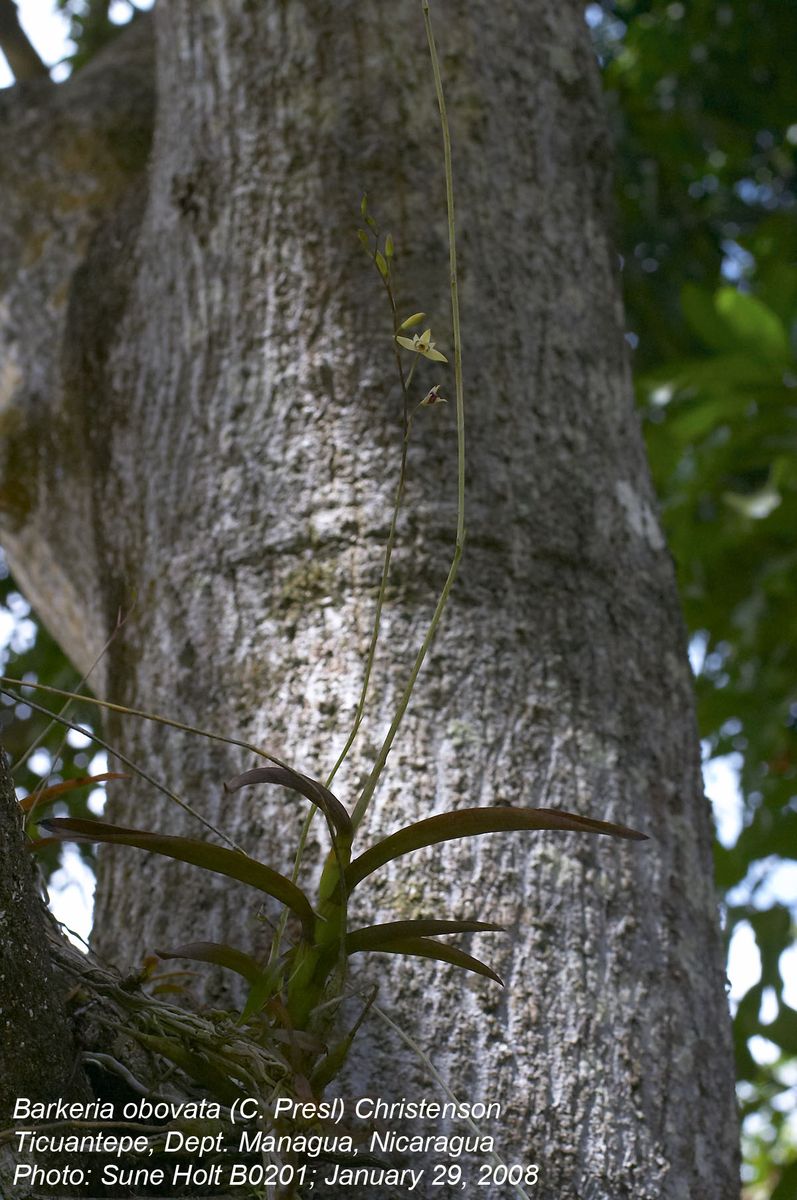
(421,343)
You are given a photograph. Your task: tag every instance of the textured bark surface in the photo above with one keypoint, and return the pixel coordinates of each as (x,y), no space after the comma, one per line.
(218,432)
(37,1056)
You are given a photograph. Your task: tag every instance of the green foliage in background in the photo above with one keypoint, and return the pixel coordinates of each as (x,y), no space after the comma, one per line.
(91,27)
(704,101)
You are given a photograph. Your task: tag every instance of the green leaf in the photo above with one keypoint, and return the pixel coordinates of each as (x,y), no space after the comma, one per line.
(311,789)
(220,955)
(390,249)
(263,988)
(218,859)
(473,822)
(717,376)
(381,265)
(773,933)
(700,417)
(701,314)
(331,1065)
(365,240)
(757,326)
(427,948)
(787,1182)
(783,1030)
(379,937)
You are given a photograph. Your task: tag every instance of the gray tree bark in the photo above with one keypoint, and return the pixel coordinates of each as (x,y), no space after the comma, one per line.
(38,1056)
(200,409)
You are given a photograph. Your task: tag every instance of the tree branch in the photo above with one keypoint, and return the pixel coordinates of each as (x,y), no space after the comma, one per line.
(72,157)
(21,55)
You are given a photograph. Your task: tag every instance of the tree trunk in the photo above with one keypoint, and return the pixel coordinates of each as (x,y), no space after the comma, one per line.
(202,412)
(38,1056)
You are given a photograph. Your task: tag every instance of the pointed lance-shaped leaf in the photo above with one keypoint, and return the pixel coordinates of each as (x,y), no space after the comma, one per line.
(472,822)
(379,937)
(219,859)
(40,843)
(311,789)
(45,795)
(220,955)
(427,948)
(331,1065)
(262,988)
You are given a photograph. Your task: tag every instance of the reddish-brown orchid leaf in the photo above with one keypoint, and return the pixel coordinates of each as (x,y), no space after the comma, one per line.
(35,844)
(220,955)
(45,795)
(428,948)
(378,937)
(214,858)
(311,789)
(473,822)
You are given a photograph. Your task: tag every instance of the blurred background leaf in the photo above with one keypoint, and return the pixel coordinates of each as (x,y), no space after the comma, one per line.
(92,24)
